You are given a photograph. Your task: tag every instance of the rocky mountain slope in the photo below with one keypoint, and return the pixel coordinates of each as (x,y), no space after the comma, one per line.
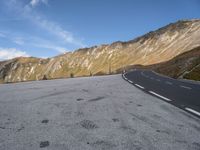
(154,47)
(186,65)
(183,66)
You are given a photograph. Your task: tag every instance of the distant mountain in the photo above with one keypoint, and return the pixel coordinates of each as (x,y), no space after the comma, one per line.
(154,47)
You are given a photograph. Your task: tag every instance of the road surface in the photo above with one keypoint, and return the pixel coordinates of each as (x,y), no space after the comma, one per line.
(182,94)
(91,113)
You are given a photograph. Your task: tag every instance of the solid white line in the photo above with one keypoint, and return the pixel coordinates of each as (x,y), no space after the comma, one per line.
(124,77)
(152,78)
(139,86)
(130,81)
(167,82)
(193,111)
(160,96)
(186,87)
(158,80)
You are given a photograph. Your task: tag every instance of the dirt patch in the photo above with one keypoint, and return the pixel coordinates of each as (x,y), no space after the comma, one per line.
(79,99)
(84,90)
(50,95)
(96,99)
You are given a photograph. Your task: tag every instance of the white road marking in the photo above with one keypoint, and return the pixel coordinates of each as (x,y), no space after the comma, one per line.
(160,96)
(158,80)
(130,81)
(124,77)
(167,82)
(139,86)
(186,87)
(152,78)
(193,111)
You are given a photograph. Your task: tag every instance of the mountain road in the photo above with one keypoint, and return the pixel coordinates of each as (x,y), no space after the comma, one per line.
(184,95)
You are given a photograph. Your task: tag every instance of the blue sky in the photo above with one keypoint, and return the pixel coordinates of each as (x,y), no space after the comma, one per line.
(46,28)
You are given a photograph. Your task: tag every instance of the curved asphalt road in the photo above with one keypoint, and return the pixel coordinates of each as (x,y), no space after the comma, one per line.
(182,94)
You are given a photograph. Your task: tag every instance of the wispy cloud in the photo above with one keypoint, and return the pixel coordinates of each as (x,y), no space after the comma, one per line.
(34,3)
(53,47)
(10,19)
(57,30)
(54,28)
(18,40)
(43,43)
(2,35)
(9,53)
(33,42)
(48,45)
(15,39)
(61,37)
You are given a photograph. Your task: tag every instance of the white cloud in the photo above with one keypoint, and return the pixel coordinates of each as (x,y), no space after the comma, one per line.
(34,3)
(9,53)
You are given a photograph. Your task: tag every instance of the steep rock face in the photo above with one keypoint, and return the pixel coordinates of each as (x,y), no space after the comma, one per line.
(154,47)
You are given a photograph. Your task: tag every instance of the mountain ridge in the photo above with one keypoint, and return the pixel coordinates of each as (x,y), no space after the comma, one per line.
(154,47)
